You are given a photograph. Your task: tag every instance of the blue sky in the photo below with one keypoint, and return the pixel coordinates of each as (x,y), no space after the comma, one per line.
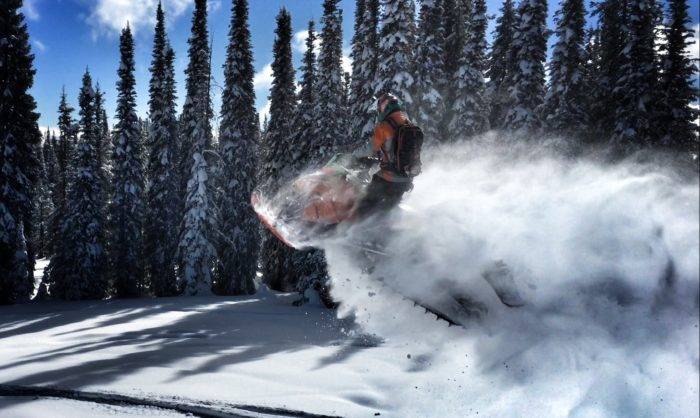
(70,35)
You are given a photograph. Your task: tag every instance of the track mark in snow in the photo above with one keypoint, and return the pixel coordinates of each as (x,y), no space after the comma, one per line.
(186,406)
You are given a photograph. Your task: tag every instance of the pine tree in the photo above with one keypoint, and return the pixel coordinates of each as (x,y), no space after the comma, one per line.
(364,75)
(238,135)
(331,131)
(678,118)
(126,209)
(590,125)
(564,110)
(430,72)
(396,50)
(637,87)
(162,196)
(454,22)
(196,252)
(276,165)
(19,140)
(471,115)
(77,269)
(309,266)
(63,150)
(501,65)
(527,87)
(611,37)
(43,206)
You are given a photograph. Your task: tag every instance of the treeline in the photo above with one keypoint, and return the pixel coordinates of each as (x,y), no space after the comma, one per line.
(161,206)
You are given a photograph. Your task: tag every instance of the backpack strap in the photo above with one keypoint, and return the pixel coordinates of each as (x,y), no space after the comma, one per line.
(392,123)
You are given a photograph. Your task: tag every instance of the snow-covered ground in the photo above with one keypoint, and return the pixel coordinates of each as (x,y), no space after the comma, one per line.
(20,407)
(262,351)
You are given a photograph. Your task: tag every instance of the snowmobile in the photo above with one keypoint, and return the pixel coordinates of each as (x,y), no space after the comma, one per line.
(316,204)
(320,205)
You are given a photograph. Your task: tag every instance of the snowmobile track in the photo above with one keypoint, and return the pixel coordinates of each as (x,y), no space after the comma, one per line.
(185,406)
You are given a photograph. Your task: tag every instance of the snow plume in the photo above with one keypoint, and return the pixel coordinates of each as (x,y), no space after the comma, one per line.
(606,256)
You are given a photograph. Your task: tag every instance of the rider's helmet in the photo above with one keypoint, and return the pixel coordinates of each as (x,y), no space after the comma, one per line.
(387,104)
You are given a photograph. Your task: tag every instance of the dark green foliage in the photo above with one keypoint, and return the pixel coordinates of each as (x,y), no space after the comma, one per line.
(19,159)
(501,65)
(162,195)
(238,146)
(126,209)
(678,82)
(276,166)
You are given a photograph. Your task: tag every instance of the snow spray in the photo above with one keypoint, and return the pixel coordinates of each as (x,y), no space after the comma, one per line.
(607,256)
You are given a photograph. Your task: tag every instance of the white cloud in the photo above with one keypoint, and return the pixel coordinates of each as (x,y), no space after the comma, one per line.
(299,45)
(299,42)
(346,61)
(40,46)
(45,129)
(693,49)
(29,9)
(108,17)
(264,112)
(263,78)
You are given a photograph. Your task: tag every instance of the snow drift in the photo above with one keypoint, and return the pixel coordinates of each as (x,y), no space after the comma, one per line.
(607,256)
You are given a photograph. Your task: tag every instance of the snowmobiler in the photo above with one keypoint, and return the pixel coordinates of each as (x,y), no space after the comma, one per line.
(343,191)
(396,145)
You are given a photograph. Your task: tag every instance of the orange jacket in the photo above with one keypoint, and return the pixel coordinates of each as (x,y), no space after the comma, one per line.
(382,145)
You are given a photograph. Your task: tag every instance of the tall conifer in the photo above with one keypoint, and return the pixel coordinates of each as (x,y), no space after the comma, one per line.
(564,110)
(127,208)
(196,250)
(163,200)
(678,118)
(430,70)
(501,65)
(238,147)
(396,43)
(331,131)
(78,267)
(19,142)
(527,87)
(471,116)
(277,165)
(638,89)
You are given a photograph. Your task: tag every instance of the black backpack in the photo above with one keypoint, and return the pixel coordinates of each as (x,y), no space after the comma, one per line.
(408,142)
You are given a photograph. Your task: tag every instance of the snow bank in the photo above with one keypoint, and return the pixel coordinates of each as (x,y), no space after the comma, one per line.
(607,257)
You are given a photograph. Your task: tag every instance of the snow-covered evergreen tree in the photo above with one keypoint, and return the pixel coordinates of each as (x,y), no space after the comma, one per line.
(637,88)
(77,269)
(195,250)
(277,165)
(127,208)
(454,22)
(364,75)
(238,147)
(308,148)
(309,266)
(430,70)
(564,110)
(63,150)
(501,65)
(471,115)
(19,140)
(396,42)
(678,119)
(331,131)
(162,195)
(43,205)
(527,87)
(611,35)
